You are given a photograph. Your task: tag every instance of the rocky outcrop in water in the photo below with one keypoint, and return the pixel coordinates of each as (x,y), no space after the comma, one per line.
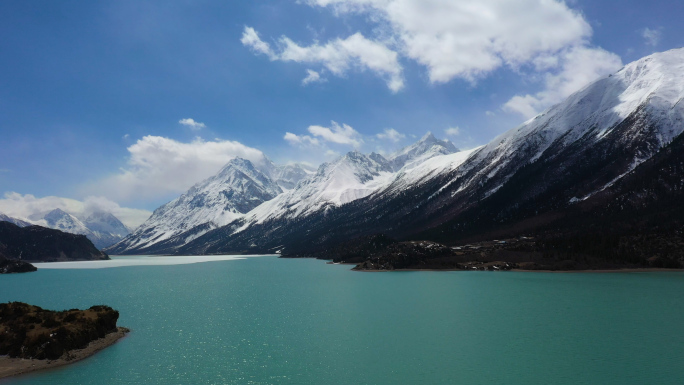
(31,332)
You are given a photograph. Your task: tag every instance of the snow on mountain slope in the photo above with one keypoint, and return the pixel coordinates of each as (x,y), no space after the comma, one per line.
(350,177)
(289,175)
(60,220)
(16,221)
(106,223)
(427,147)
(235,190)
(414,173)
(106,229)
(576,148)
(355,176)
(654,84)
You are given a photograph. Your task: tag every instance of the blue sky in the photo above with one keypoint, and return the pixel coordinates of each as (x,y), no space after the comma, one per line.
(92,93)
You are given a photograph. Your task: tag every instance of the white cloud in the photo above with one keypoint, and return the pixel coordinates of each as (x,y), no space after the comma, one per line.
(321,136)
(466,39)
(301,140)
(31,208)
(651,36)
(158,167)
(250,38)
(340,134)
(578,67)
(189,122)
(452,131)
(391,134)
(338,56)
(312,77)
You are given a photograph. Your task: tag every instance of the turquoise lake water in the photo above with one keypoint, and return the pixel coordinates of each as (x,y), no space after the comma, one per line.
(273,321)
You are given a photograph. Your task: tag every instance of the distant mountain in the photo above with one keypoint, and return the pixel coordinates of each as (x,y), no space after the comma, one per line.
(235,190)
(103,229)
(18,222)
(61,220)
(289,175)
(106,229)
(40,244)
(427,147)
(303,192)
(557,174)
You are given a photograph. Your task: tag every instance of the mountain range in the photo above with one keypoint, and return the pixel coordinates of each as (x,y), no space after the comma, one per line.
(606,162)
(103,229)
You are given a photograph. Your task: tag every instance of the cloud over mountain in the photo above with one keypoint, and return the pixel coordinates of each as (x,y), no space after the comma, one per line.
(28,206)
(159,166)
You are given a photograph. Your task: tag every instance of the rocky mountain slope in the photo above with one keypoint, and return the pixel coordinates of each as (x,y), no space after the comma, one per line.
(40,244)
(238,188)
(576,155)
(349,178)
(16,221)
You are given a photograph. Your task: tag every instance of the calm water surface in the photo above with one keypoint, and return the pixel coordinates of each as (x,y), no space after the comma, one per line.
(272,321)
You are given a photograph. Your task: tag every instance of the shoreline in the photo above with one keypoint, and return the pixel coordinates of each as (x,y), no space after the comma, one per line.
(635,270)
(10,367)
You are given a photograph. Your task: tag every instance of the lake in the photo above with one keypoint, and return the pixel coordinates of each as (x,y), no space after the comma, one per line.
(264,320)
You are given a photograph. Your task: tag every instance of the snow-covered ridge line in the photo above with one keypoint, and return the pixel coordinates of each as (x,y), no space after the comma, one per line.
(241,191)
(624,119)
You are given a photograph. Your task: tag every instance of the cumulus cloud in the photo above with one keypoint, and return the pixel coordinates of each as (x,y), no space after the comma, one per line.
(340,134)
(159,166)
(251,39)
(336,133)
(28,207)
(466,39)
(651,36)
(312,77)
(578,67)
(195,126)
(453,131)
(301,140)
(391,134)
(338,56)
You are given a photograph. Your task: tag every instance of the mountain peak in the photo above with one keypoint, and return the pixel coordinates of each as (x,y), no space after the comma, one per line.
(428,137)
(427,147)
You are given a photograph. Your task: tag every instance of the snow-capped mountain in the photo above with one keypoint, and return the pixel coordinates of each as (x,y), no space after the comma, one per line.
(103,229)
(235,190)
(106,229)
(349,178)
(61,220)
(289,175)
(16,221)
(570,154)
(426,148)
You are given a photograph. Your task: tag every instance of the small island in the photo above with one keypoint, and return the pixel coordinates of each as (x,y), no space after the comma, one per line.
(36,339)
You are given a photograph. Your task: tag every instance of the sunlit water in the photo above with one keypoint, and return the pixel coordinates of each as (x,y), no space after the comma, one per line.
(273,321)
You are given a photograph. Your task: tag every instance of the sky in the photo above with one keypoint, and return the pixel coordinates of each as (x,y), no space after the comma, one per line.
(123,105)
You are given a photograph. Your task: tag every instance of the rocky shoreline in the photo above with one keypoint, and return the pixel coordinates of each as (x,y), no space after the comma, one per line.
(381,253)
(16,366)
(10,266)
(34,338)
